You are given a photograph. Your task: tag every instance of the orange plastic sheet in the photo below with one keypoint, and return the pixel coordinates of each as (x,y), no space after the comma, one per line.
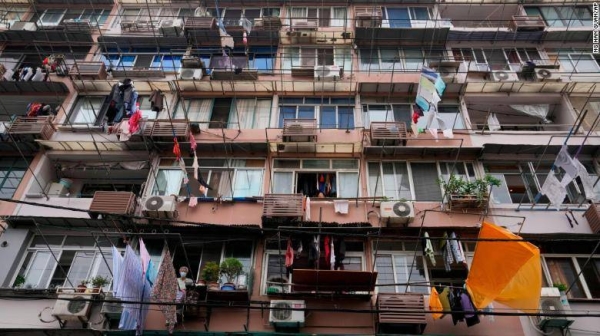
(508,272)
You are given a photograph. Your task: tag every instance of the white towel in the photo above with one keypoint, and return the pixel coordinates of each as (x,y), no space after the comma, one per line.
(307,211)
(341,206)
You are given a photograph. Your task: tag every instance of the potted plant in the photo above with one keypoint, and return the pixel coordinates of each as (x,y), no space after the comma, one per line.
(19,281)
(231,268)
(468,194)
(82,286)
(210,274)
(99,282)
(561,287)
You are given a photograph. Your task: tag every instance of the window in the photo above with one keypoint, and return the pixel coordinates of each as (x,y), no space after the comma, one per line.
(413,181)
(330,112)
(51,17)
(322,16)
(155,15)
(78,257)
(14,13)
(150,61)
(522,182)
(564,270)
(577,62)
(405,17)
(14,57)
(275,276)
(88,110)
(12,170)
(227,178)
(497,59)
(333,178)
(398,59)
(309,57)
(250,113)
(450,114)
(563,16)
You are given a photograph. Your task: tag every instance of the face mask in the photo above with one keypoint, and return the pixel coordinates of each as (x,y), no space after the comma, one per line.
(183,274)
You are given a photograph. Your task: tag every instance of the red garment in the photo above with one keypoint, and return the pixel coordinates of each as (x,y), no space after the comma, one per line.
(327,244)
(192,141)
(289,254)
(415,117)
(134,122)
(176,149)
(34,108)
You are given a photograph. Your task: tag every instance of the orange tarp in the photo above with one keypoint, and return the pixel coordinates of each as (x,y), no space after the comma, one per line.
(508,272)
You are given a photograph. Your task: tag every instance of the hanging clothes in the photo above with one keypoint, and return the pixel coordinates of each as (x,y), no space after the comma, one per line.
(332,256)
(459,257)
(176,148)
(131,289)
(456,307)
(289,254)
(145,256)
(307,211)
(447,253)
(435,304)
(327,246)
(340,253)
(428,249)
(165,290)
(117,262)
(134,122)
(445,300)
(471,317)
(156,101)
(314,252)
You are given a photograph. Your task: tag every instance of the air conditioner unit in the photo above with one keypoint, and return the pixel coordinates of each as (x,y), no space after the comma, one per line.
(547,75)
(190,73)
(22,25)
(172,27)
(304,24)
(73,307)
(282,315)
(551,303)
(397,212)
(504,76)
(327,72)
(159,207)
(111,310)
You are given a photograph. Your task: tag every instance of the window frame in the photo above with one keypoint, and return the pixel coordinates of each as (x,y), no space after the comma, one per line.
(78,104)
(318,109)
(400,60)
(9,170)
(292,55)
(565,22)
(319,19)
(576,267)
(480,57)
(458,118)
(412,16)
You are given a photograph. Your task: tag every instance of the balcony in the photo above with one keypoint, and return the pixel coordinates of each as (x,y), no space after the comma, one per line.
(205,32)
(300,130)
(401,313)
(30,129)
(91,70)
(388,134)
(68,30)
(113,202)
(396,27)
(283,205)
(232,68)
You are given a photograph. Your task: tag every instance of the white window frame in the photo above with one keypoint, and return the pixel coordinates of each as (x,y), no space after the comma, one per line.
(306,9)
(574,61)
(295,172)
(317,107)
(401,63)
(403,254)
(573,259)
(84,102)
(57,251)
(53,23)
(412,16)
(485,65)
(459,118)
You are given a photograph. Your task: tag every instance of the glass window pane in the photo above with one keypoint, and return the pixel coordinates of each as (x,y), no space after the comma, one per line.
(286,164)
(591,274)
(348,185)
(282,182)
(344,164)
(40,269)
(248,183)
(425,180)
(168,182)
(375,184)
(562,271)
(346,117)
(390,59)
(584,63)
(80,267)
(413,58)
(405,267)
(385,274)
(79,242)
(315,164)
(369,60)
(328,117)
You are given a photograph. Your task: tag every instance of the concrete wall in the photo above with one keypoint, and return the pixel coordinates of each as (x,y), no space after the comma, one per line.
(10,255)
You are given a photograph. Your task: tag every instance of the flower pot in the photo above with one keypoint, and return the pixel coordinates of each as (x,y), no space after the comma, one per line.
(213,286)
(81,289)
(200,283)
(228,286)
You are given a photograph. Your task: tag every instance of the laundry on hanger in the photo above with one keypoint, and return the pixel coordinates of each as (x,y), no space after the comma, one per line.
(332,256)
(327,247)
(428,249)
(289,254)
(435,304)
(456,249)
(156,101)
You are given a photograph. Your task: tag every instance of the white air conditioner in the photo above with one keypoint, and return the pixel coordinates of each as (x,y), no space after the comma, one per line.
(73,307)
(551,303)
(547,75)
(504,76)
(22,25)
(304,24)
(159,207)
(282,315)
(397,212)
(190,73)
(172,27)
(327,73)
(111,310)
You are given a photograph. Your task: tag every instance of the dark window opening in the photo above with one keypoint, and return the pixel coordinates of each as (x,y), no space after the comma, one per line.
(220,113)
(314,184)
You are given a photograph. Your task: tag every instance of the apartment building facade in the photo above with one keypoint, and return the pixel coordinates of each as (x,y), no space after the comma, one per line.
(299,119)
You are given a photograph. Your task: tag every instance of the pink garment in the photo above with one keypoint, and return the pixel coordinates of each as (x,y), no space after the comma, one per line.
(144,255)
(193,202)
(134,122)
(193,143)
(289,254)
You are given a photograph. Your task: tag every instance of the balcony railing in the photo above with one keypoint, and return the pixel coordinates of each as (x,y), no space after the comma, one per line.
(527,23)
(388,133)
(95,70)
(300,130)
(592,215)
(283,205)
(167,129)
(402,313)
(31,127)
(114,202)
(200,23)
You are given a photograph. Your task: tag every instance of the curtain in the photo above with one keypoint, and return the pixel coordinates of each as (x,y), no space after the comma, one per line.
(245,110)
(375,183)
(538,111)
(168,182)
(347,184)
(425,177)
(248,183)
(262,113)
(199,110)
(339,17)
(343,58)
(283,182)
(297,13)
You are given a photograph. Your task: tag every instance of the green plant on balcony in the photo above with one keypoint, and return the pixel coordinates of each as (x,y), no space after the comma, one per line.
(99,281)
(468,194)
(231,268)
(19,281)
(561,287)
(210,274)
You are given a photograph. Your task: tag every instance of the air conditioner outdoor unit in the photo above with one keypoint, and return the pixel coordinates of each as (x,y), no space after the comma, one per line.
(73,307)
(547,75)
(397,212)
(551,303)
(159,207)
(304,24)
(111,310)
(327,72)
(282,315)
(190,73)
(22,25)
(504,76)
(172,27)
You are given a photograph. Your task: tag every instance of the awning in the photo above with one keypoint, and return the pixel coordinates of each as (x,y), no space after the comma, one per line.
(333,281)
